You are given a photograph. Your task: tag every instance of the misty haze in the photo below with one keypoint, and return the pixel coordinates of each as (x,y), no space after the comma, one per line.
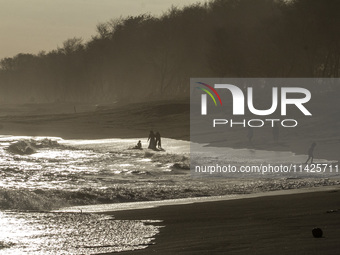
(100,137)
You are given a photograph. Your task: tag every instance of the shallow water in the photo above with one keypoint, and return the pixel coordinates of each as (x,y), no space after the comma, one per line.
(204,155)
(71,233)
(82,172)
(77,164)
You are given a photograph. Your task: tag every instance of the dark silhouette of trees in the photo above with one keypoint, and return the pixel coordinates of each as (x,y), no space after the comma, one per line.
(144,57)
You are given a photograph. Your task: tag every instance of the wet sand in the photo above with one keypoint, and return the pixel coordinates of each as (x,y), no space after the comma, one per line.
(172,119)
(265,225)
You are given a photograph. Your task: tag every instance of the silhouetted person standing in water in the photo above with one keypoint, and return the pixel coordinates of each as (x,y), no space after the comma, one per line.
(311,153)
(158,140)
(152,144)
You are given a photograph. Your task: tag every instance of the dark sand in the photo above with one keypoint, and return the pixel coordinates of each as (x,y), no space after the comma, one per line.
(172,119)
(265,225)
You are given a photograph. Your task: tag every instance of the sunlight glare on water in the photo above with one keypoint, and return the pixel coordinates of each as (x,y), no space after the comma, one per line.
(73,164)
(70,233)
(76,172)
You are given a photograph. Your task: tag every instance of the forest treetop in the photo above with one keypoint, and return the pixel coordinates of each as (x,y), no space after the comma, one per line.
(145,57)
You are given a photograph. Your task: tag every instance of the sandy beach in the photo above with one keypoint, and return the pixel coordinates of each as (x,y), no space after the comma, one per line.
(171,118)
(264,225)
(170,127)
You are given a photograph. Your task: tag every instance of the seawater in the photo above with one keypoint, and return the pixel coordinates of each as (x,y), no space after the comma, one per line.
(82,172)
(71,233)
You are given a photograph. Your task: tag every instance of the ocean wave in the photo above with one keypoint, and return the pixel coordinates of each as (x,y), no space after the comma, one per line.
(30,146)
(65,173)
(44,200)
(5,244)
(174,161)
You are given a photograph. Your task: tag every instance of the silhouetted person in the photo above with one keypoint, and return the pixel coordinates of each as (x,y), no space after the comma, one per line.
(276,132)
(152,144)
(139,145)
(158,140)
(311,153)
(250,134)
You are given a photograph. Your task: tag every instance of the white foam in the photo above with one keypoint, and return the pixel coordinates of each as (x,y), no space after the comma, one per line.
(101,208)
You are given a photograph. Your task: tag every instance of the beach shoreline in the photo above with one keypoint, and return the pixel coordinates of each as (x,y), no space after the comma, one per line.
(272,224)
(277,224)
(111,121)
(140,205)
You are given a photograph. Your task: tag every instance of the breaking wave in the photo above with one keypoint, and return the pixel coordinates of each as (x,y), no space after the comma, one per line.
(27,147)
(63,173)
(45,200)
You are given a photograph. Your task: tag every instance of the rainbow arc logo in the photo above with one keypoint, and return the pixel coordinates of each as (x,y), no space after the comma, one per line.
(209,93)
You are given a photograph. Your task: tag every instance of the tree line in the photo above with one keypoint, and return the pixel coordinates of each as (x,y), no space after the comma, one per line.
(146,57)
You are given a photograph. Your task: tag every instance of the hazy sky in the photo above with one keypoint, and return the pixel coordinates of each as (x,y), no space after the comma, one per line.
(29,26)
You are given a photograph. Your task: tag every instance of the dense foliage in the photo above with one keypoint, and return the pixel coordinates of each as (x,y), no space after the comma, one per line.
(142,57)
